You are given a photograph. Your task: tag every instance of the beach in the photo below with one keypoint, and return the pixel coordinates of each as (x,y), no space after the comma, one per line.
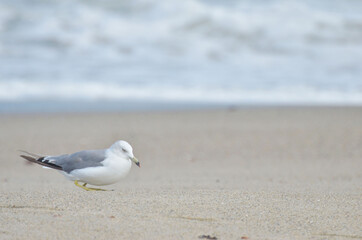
(237,173)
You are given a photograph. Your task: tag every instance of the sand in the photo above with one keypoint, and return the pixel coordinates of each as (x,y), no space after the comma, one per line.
(249,173)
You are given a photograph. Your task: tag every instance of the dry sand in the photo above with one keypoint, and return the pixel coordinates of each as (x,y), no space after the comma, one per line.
(256,173)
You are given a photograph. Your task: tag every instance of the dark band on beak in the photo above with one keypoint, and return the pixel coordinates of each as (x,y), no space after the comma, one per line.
(135,160)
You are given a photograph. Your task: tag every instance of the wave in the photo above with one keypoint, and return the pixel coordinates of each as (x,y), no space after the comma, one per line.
(231,51)
(167,27)
(18,91)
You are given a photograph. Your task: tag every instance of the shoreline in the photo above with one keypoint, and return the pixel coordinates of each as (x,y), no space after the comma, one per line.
(129,106)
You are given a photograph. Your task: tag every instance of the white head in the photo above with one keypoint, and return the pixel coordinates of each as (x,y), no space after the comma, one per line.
(124,150)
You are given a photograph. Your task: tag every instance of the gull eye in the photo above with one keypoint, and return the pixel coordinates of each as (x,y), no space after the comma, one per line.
(124,150)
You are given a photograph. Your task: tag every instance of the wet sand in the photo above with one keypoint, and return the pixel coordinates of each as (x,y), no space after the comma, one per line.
(256,173)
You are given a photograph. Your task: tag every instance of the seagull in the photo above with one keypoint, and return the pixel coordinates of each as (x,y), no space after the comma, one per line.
(95,167)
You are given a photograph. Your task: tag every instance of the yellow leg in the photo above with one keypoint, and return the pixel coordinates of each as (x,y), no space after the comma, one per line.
(97,189)
(87,189)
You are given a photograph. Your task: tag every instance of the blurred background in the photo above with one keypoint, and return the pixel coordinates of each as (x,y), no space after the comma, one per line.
(87,55)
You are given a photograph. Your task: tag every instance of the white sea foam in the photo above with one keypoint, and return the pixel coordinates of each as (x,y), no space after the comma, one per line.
(235,51)
(95,91)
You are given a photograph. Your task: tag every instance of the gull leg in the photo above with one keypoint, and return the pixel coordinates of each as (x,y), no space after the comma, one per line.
(97,189)
(82,186)
(86,188)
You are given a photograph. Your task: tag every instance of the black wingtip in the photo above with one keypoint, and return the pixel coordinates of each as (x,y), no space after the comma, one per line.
(30,159)
(41,162)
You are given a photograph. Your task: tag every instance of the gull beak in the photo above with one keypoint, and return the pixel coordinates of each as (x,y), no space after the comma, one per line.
(135,160)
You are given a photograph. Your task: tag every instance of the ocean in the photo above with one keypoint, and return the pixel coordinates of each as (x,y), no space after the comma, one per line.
(71,55)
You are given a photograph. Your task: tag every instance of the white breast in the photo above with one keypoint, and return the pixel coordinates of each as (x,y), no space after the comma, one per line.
(114,169)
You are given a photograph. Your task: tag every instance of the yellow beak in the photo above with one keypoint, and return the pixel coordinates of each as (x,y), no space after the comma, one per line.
(135,160)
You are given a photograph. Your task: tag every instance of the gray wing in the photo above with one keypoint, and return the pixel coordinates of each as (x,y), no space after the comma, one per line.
(78,160)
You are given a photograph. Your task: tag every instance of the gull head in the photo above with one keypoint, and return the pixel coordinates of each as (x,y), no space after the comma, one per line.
(124,150)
